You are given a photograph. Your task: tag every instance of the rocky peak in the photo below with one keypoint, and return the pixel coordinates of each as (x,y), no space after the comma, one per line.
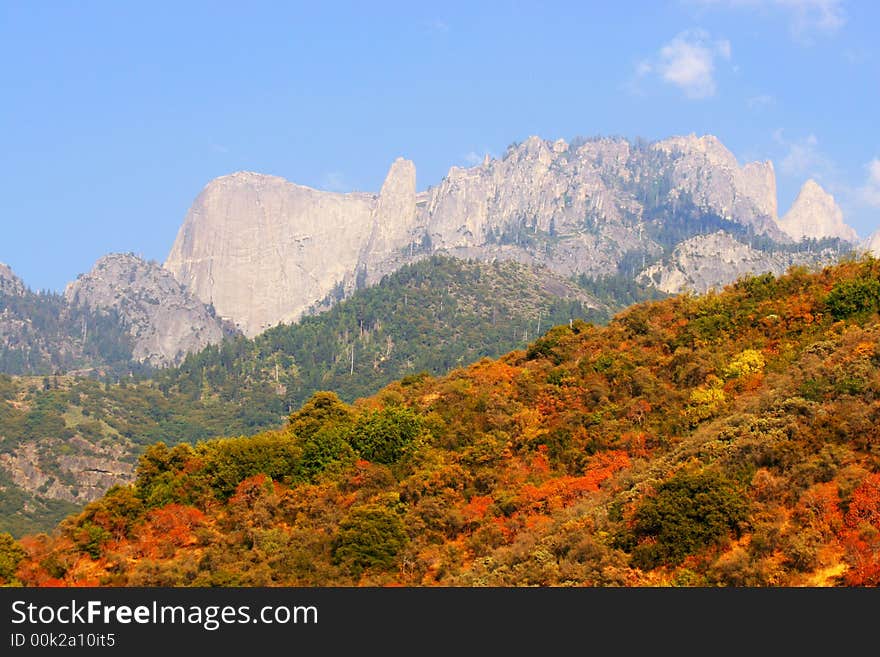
(815,215)
(164,320)
(534,148)
(560,146)
(759,181)
(262,250)
(399,183)
(392,222)
(9,282)
(872,244)
(706,171)
(246,178)
(707,146)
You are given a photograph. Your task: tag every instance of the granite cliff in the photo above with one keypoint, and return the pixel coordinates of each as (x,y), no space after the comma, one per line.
(263,250)
(815,215)
(872,244)
(711,261)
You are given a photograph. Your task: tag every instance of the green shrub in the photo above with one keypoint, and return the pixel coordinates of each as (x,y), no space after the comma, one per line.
(323,409)
(231,460)
(849,298)
(688,512)
(384,436)
(370,536)
(11,554)
(323,448)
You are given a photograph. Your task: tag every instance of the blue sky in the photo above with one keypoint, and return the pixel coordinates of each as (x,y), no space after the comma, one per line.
(115,115)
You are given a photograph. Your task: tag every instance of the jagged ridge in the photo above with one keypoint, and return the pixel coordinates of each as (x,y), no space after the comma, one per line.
(257,247)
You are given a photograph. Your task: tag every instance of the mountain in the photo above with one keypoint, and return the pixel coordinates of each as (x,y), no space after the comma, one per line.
(872,244)
(261,250)
(256,246)
(726,439)
(164,321)
(122,317)
(815,215)
(606,212)
(64,439)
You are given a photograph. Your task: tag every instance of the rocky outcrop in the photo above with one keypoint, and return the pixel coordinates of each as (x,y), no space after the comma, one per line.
(815,215)
(704,169)
(164,320)
(391,224)
(872,244)
(37,331)
(9,282)
(82,474)
(712,261)
(263,250)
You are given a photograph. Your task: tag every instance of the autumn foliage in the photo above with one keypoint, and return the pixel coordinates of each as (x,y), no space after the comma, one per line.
(727,439)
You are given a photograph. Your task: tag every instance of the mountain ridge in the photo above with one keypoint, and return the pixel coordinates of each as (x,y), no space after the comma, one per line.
(579,207)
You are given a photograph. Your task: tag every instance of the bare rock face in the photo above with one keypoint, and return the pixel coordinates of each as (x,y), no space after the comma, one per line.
(815,215)
(87,470)
(712,261)
(391,224)
(709,173)
(9,282)
(872,244)
(164,320)
(263,250)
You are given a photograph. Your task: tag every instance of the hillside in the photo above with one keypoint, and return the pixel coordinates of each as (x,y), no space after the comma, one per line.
(730,439)
(40,333)
(64,440)
(430,316)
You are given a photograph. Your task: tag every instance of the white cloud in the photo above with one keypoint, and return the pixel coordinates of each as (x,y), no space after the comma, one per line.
(811,16)
(806,18)
(688,62)
(803,158)
(870,192)
(644,68)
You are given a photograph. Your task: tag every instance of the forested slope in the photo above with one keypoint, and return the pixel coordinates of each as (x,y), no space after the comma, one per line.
(65,439)
(726,439)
